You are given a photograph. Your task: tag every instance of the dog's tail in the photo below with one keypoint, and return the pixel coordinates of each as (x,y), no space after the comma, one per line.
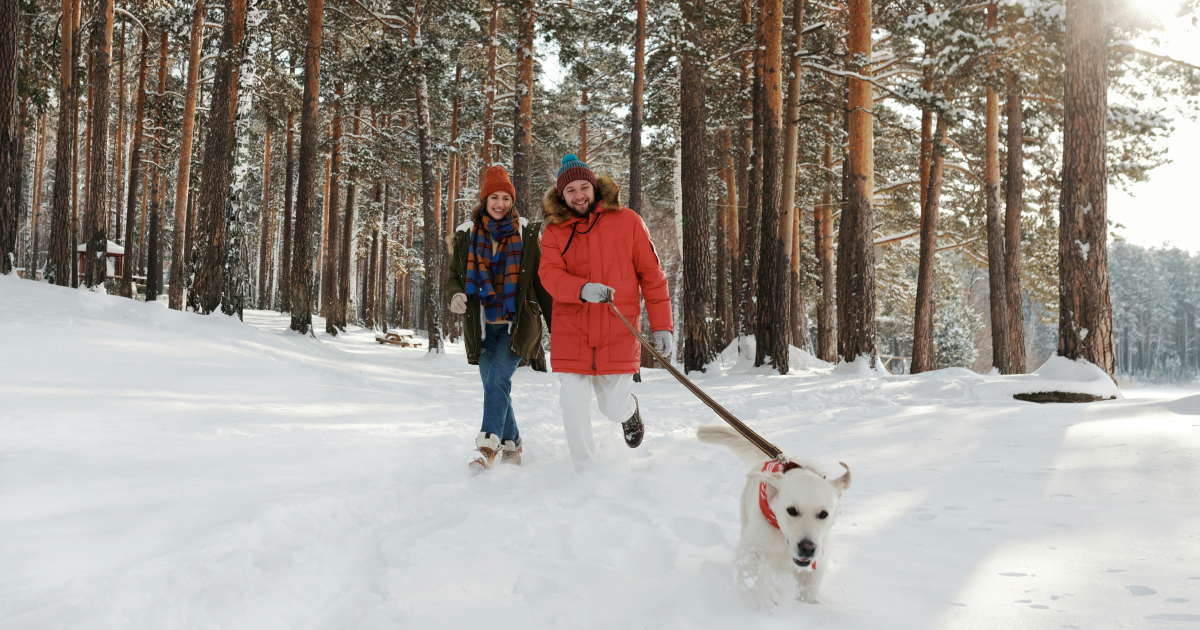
(731,439)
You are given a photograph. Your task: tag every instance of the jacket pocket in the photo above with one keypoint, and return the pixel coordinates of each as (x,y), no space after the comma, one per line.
(567,334)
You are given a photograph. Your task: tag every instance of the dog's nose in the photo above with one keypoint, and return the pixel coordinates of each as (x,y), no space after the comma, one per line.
(807,548)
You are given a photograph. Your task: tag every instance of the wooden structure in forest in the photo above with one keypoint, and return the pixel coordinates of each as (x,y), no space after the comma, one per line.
(115,257)
(402,337)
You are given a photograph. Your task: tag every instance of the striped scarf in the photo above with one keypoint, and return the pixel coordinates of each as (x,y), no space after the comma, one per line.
(493,278)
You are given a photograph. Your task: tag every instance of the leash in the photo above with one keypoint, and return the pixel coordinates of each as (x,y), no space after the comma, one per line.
(757,440)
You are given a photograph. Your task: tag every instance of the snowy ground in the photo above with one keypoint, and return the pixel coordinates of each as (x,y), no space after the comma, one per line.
(164,470)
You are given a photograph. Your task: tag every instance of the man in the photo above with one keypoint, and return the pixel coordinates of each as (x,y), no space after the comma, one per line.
(593,248)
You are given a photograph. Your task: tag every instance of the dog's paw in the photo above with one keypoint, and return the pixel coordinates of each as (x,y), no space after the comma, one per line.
(758,581)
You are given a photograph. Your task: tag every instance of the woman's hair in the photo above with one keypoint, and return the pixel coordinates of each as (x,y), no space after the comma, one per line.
(481,205)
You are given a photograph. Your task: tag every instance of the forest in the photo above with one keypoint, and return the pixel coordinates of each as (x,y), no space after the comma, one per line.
(919,184)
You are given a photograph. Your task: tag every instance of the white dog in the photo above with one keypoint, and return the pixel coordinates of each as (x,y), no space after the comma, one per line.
(786,517)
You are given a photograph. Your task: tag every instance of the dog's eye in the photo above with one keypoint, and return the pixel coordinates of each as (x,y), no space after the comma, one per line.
(823,514)
(793,512)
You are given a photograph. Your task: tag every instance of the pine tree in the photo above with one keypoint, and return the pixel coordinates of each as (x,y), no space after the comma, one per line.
(1085,308)
(302,250)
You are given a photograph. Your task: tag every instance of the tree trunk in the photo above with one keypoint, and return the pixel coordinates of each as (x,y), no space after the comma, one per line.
(923,351)
(181,250)
(522,170)
(135,171)
(329,273)
(369,283)
(36,213)
(267,234)
(285,263)
(208,262)
(856,253)
(382,302)
(489,92)
(96,265)
(727,259)
(635,109)
(926,137)
(790,220)
(753,226)
(997,285)
(347,227)
(1012,236)
(823,240)
(744,162)
(154,248)
(118,160)
(431,294)
(697,281)
(158,181)
(300,292)
(799,315)
(456,164)
(583,125)
(142,228)
(774,299)
(10,132)
(324,246)
(1085,305)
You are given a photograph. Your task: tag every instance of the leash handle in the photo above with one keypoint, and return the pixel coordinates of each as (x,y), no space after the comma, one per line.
(757,440)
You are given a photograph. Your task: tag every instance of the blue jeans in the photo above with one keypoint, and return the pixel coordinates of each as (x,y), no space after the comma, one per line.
(496,367)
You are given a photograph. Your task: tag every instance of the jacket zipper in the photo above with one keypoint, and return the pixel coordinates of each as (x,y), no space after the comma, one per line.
(593,358)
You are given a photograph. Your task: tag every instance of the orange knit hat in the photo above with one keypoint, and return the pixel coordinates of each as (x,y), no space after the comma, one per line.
(495,181)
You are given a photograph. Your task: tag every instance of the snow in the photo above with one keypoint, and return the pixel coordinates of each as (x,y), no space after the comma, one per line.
(860,367)
(163,469)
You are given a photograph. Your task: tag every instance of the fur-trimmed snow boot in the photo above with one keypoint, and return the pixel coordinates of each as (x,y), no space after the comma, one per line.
(512,452)
(487,447)
(632,427)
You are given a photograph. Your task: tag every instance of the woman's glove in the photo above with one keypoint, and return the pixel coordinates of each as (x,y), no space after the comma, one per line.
(458,303)
(594,292)
(664,342)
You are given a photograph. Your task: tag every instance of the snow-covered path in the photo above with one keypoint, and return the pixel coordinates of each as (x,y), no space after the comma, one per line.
(164,470)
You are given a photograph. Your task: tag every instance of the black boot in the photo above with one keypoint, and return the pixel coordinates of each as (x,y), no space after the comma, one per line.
(633,426)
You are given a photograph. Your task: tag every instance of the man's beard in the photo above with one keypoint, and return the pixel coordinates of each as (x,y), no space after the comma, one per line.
(590,209)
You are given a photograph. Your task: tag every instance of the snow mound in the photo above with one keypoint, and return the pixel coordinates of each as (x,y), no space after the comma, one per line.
(1057,374)
(741,351)
(802,360)
(860,368)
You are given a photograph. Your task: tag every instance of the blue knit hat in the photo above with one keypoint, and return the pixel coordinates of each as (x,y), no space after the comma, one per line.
(573,170)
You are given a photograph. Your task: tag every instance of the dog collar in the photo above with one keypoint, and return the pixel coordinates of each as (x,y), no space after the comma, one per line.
(772,466)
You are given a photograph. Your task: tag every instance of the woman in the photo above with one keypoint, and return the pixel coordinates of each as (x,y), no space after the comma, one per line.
(493,281)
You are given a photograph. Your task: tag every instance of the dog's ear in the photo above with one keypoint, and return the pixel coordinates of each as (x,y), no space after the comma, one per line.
(841,483)
(771,479)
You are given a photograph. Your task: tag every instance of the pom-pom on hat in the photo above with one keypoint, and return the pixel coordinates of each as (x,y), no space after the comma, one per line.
(496,180)
(573,170)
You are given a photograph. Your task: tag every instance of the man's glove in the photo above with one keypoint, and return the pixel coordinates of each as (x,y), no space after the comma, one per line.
(458,303)
(664,342)
(593,292)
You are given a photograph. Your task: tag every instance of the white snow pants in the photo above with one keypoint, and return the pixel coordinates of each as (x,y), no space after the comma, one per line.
(614,396)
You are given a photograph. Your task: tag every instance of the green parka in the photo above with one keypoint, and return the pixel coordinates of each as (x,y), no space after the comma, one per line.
(533,302)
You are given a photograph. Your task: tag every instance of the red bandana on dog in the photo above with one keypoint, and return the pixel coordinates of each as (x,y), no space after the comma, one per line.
(772,466)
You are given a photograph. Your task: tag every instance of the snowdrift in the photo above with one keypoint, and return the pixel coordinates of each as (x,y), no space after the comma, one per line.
(163,469)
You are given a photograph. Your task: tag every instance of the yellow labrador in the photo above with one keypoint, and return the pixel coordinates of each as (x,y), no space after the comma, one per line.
(786,517)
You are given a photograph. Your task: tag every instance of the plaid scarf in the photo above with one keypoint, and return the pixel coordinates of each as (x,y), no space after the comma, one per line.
(493,278)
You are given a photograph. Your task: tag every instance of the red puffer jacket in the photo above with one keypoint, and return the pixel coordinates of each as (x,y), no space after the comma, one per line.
(611,247)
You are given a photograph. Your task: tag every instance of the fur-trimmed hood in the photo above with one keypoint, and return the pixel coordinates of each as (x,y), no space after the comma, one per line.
(556,209)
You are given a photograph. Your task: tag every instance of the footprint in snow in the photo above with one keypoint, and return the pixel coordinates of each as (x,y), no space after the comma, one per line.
(1140,591)
(1178,600)
(925,516)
